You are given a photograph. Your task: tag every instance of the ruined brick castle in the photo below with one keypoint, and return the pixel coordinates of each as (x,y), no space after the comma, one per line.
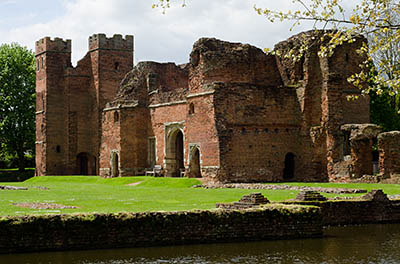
(232,114)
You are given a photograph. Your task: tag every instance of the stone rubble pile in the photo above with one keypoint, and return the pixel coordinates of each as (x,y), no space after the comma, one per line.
(247,201)
(310,196)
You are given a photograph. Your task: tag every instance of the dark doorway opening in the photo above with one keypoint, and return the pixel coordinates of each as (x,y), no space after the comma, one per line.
(288,171)
(114,165)
(375,157)
(151,156)
(83,164)
(194,164)
(179,152)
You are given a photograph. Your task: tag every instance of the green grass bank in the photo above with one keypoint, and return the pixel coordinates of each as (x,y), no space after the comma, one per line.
(136,194)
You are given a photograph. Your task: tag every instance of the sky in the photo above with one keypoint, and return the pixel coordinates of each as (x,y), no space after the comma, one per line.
(158,37)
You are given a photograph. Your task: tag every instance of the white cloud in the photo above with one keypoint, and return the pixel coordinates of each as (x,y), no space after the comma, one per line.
(7,2)
(158,37)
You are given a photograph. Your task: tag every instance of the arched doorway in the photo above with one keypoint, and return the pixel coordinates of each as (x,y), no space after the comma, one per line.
(288,171)
(194,163)
(114,164)
(174,158)
(179,150)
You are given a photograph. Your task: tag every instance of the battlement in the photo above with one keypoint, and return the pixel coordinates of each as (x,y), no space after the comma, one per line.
(117,42)
(57,45)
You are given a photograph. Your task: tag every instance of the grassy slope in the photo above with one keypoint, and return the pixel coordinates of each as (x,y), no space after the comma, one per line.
(95,194)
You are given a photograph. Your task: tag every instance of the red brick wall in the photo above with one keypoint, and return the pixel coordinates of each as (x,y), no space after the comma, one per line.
(133,141)
(74,98)
(111,59)
(389,154)
(139,122)
(52,56)
(213,60)
(243,109)
(322,90)
(111,139)
(257,127)
(159,118)
(337,110)
(201,131)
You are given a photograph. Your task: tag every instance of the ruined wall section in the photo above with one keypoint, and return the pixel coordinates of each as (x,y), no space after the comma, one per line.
(389,154)
(133,158)
(124,135)
(111,141)
(111,59)
(357,161)
(52,57)
(302,73)
(255,117)
(151,97)
(213,60)
(323,92)
(167,87)
(79,120)
(202,134)
(257,128)
(336,108)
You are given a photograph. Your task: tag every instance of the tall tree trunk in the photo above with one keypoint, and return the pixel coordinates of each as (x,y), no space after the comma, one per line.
(21,161)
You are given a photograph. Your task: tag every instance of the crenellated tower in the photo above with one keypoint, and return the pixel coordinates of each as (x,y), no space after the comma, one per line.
(52,58)
(111,59)
(70,101)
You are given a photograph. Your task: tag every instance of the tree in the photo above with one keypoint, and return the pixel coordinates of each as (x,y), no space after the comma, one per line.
(17,101)
(390,61)
(375,19)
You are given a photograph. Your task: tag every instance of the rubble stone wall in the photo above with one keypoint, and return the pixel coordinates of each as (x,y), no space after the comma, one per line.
(96,231)
(389,154)
(357,212)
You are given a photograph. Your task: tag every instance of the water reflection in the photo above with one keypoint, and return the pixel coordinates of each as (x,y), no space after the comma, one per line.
(360,244)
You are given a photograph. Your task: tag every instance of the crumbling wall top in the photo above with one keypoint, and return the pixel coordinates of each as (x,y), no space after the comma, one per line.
(361,131)
(117,42)
(297,52)
(310,37)
(48,44)
(150,77)
(392,135)
(214,60)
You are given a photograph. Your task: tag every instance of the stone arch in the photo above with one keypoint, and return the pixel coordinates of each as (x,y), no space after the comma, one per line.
(194,162)
(174,151)
(85,164)
(289,169)
(114,164)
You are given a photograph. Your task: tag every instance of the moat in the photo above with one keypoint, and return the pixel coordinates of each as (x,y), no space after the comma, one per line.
(355,244)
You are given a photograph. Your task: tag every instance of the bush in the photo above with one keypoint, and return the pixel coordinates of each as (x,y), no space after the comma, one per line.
(8,161)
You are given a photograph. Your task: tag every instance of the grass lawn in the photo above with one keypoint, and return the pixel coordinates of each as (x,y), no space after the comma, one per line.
(95,194)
